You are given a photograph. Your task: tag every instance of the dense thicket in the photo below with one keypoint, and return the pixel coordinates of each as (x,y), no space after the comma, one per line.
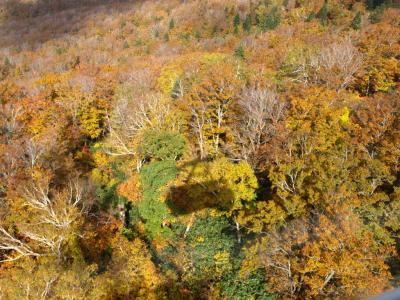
(199,149)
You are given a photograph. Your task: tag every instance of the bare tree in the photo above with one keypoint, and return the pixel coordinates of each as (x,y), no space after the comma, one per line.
(9,162)
(262,110)
(33,151)
(8,243)
(279,256)
(60,211)
(9,122)
(198,126)
(334,65)
(50,221)
(211,109)
(339,62)
(129,117)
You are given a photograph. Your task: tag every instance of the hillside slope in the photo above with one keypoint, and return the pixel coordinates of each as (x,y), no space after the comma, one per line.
(199,149)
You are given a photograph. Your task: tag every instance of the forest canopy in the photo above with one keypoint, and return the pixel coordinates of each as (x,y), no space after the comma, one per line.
(199,149)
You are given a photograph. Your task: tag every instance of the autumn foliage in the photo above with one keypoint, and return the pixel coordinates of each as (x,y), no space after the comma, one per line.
(199,149)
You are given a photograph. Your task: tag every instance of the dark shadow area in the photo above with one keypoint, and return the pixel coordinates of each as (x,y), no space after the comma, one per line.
(372,4)
(264,190)
(194,196)
(35,22)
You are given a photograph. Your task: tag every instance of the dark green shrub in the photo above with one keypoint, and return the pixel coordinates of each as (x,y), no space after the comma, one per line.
(322,15)
(239,52)
(247,24)
(162,145)
(356,23)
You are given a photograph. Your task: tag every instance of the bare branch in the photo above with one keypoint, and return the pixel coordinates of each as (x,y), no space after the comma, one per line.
(11,243)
